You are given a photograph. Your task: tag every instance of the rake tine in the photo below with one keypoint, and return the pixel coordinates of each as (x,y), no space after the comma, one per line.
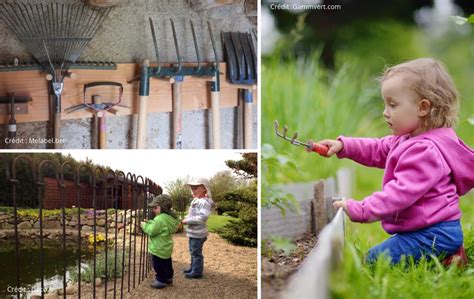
(285,130)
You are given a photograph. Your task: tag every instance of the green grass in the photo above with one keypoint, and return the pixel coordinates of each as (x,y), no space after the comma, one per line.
(214,222)
(354,279)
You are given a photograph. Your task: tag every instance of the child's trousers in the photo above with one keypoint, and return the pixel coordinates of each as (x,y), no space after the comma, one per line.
(441,239)
(197,258)
(163,268)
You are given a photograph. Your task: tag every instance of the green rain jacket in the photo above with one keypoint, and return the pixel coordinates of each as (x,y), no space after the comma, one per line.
(161,230)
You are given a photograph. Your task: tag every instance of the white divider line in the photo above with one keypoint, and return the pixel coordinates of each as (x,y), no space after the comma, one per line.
(312,279)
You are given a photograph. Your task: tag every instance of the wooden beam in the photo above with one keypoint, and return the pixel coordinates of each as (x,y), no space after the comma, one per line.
(196,94)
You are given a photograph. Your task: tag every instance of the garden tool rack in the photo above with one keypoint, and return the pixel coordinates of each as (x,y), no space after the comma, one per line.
(176,74)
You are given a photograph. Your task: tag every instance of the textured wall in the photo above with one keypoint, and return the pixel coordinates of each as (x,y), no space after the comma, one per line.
(126,37)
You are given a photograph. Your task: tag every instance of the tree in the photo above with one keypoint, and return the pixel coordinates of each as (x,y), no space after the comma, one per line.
(243,231)
(247,167)
(221,183)
(180,195)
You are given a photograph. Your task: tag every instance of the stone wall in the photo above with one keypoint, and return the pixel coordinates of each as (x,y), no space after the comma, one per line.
(28,226)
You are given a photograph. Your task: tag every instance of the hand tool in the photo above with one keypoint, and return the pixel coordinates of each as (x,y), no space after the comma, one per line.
(310,145)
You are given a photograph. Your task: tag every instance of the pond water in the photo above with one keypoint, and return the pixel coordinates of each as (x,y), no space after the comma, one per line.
(30,271)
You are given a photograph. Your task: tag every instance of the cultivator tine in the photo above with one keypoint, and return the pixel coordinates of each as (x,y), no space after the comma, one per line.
(176,45)
(155,43)
(285,130)
(198,57)
(213,42)
(294,137)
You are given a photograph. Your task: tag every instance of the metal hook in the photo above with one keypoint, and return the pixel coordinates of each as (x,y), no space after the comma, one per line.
(196,70)
(180,60)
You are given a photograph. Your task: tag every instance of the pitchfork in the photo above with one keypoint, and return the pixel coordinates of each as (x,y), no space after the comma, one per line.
(310,145)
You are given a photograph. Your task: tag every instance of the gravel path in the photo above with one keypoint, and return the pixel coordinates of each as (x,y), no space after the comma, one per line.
(229,272)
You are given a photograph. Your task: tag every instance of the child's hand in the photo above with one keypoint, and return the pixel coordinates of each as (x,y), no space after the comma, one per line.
(340,204)
(335,146)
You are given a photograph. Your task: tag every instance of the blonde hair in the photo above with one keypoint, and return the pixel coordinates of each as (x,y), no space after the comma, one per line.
(430,80)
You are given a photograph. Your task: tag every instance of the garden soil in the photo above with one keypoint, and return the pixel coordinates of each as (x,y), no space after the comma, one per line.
(278,268)
(229,272)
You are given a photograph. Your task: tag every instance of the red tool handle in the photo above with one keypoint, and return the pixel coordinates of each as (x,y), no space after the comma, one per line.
(318,148)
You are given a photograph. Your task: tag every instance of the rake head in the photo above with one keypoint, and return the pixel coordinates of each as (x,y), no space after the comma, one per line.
(54,33)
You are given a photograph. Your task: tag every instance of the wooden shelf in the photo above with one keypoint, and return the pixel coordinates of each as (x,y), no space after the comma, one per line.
(196,94)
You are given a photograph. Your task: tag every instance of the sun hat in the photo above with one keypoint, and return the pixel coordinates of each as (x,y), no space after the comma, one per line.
(198,182)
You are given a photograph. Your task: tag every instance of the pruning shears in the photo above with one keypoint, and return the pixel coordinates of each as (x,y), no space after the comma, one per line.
(310,146)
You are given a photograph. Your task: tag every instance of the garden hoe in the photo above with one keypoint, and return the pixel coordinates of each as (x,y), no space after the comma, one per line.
(310,145)
(242,71)
(99,109)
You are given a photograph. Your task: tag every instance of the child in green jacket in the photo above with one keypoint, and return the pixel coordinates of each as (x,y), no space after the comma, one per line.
(161,230)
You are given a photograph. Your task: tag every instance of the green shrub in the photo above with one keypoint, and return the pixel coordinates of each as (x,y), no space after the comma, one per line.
(227,206)
(242,231)
(87,274)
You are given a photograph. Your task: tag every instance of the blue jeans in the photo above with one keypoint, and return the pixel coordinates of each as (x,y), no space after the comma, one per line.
(441,239)
(197,259)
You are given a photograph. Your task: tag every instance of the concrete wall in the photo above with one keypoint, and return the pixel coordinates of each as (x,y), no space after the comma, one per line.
(125,37)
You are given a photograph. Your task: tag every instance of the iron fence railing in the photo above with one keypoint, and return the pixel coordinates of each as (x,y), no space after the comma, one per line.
(107,190)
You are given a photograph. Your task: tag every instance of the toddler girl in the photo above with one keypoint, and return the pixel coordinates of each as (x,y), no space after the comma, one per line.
(427,167)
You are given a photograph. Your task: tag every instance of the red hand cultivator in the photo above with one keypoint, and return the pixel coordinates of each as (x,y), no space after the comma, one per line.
(310,145)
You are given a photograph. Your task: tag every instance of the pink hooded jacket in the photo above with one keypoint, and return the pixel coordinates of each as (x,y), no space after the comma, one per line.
(424,177)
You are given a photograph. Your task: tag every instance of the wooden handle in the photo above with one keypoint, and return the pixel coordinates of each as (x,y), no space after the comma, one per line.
(248,125)
(177,115)
(95,124)
(216,120)
(142,114)
(141,130)
(102,132)
(103,3)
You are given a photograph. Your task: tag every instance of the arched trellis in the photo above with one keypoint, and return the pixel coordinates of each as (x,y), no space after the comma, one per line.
(89,181)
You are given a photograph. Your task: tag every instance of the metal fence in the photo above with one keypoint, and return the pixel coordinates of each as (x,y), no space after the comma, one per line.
(107,190)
